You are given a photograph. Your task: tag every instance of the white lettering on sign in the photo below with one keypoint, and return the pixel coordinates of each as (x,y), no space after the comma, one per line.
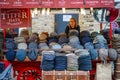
(47,2)
(4,3)
(76,2)
(17,3)
(93,2)
(32,3)
(62,2)
(106,1)
(14,17)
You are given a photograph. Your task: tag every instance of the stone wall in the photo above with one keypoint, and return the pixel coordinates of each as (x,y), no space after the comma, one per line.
(45,23)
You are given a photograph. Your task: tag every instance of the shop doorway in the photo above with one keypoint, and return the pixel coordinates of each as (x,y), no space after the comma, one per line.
(62,20)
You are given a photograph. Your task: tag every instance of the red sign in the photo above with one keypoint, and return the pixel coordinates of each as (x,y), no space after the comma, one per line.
(92,3)
(32,3)
(62,3)
(55,3)
(5,3)
(107,3)
(17,3)
(14,18)
(76,3)
(48,4)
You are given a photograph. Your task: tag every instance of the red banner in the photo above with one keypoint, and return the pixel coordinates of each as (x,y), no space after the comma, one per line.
(92,3)
(32,3)
(56,3)
(107,3)
(76,3)
(62,4)
(14,18)
(5,3)
(48,4)
(17,3)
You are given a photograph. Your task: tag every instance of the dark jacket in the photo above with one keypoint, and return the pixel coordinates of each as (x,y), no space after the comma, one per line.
(68,28)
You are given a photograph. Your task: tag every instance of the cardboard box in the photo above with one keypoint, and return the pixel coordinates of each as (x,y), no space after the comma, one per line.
(83,75)
(71,75)
(60,75)
(48,75)
(65,75)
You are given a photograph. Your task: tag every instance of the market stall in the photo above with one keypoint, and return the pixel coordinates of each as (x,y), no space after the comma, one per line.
(42,55)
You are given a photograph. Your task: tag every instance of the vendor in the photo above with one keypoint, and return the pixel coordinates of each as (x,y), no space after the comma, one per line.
(72,26)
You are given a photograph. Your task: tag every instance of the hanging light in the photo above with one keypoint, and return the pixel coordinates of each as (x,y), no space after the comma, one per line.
(32,13)
(64,10)
(91,10)
(43,11)
(35,11)
(83,11)
(48,11)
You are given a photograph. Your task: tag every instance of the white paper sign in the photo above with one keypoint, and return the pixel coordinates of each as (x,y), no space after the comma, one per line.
(67,17)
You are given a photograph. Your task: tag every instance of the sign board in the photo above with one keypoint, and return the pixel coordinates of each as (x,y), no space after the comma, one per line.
(56,3)
(107,3)
(14,18)
(76,3)
(48,3)
(91,3)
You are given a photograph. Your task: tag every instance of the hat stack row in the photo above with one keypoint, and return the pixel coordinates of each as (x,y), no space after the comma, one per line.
(78,60)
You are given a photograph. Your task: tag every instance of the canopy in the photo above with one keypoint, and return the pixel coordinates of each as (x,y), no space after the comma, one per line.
(56,3)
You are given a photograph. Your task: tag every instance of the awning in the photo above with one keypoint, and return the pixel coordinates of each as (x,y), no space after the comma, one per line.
(56,3)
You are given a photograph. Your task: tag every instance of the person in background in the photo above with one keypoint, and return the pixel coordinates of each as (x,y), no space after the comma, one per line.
(72,26)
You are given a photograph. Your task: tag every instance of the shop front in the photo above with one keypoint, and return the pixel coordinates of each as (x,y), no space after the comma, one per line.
(36,46)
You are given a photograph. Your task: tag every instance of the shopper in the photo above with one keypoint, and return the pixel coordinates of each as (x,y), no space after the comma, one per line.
(72,26)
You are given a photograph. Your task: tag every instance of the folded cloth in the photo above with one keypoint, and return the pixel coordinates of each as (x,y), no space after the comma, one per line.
(52,39)
(82,52)
(89,45)
(33,38)
(100,45)
(103,54)
(112,54)
(62,40)
(74,39)
(93,54)
(85,40)
(22,46)
(21,54)
(60,62)
(19,40)
(47,62)
(32,45)
(10,54)
(85,63)
(94,34)
(76,45)
(33,54)
(10,44)
(56,46)
(53,34)
(66,46)
(72,62)
(84,33)
(43,46)
(99,39)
